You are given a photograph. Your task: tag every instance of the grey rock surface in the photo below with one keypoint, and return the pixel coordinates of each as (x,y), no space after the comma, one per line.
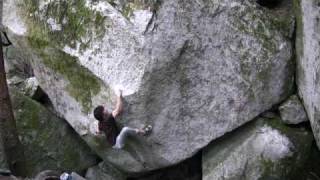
(47,174)
(292,111)
(3,159)
(189,169)
(76,176)
(265,149)
(104,171)
(308,72)
(9,178)
(48,142)
(16,63)
(193,69)
(15,80)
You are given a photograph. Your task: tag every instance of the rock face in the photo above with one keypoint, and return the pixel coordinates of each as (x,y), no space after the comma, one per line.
(264,149)
(29,87)
(192,69)
(292,111)
(48,142)
(104,171)
(16,64)
(3,160)
(189,169)
(308,72)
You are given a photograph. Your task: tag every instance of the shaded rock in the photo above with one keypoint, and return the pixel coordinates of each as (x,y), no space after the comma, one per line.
(5,171)
(184,67)
(19,71)
(48,174)
(311,169)
(308,52)
(189,169)
(104,171)
(292,111)
(265,149)
(30,87)
(16,63)
(76,176)
(48,141)
(9,178)
(15,81)
(4,168)
(72,176)
(269,114)
(282,11)
(269,3)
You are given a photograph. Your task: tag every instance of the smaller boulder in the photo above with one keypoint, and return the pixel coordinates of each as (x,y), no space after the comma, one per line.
(264,149)
(292,111)
(30,87)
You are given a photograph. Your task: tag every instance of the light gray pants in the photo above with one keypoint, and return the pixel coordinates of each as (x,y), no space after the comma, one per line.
(120,141)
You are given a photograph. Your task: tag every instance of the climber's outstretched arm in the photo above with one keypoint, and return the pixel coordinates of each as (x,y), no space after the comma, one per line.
(119,106)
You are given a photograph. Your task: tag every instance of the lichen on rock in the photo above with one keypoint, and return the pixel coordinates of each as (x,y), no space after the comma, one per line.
(82,84)
(72,17)
(41,132)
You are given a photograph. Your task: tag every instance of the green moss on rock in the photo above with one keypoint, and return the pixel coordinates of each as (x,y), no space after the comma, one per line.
(38,38)
(283,168)
(283,24)
(79,24)
(82,84)
(77,21)
(288,167)
(40,130)
(132,5)
(256,23)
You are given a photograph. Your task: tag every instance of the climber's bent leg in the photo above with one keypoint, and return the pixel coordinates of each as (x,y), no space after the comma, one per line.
(120,141)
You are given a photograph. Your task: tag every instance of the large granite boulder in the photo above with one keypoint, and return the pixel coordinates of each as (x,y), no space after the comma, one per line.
(48,142)
(192,69)
(308,52)
(265,149)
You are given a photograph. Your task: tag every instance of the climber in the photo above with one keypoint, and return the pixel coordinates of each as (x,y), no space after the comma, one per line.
(107,124)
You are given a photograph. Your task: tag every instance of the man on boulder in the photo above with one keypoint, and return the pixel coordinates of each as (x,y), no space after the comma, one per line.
(107,124)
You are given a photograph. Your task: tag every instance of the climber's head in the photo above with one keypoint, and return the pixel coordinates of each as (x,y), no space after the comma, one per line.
(100,112)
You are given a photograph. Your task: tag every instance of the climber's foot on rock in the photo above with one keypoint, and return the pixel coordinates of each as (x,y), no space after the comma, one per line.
(145,130)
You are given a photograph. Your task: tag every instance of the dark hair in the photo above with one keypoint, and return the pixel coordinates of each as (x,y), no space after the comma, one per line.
(98,113)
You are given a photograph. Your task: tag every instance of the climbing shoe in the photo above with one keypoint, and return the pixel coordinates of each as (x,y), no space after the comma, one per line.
(147,130)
